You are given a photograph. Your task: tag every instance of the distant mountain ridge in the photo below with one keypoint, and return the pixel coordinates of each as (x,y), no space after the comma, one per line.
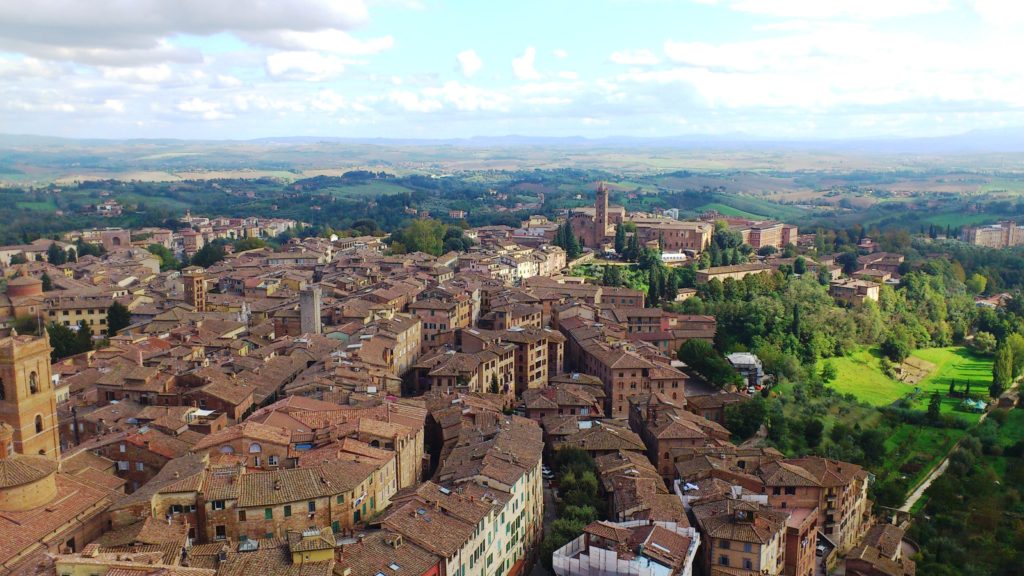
(1000,140)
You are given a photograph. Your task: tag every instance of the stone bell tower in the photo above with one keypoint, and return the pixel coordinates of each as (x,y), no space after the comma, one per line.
(27,401)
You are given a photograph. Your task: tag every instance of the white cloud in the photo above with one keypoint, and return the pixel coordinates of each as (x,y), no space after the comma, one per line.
(309,66)
(412,102)
(642,57)
(1000,13)
(114,105)
(227,81)
(139,74)
(831,9)
(330,41)
(560,53)
(568,75)
(59,28)
(469,62)
(28,68)
(523,66)
(204,108)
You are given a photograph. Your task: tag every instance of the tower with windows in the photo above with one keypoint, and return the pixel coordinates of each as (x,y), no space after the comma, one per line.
(27,401)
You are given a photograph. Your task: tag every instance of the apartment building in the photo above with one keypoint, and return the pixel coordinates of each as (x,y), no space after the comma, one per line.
(853,291)
(741,536)
(539,352)
(634,548)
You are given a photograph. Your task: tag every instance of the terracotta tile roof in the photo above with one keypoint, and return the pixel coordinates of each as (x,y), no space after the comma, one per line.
(718,519)
(377,552)
(247,430)
(147,531)
(18,469)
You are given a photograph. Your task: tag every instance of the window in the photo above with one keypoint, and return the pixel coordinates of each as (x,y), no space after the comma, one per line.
(33,382)
(122,465)
(268,513)
(311,506)
(340,499)
(272,460)
(176,509)
(139,466)
(776,491)
(241,515)
(218,504)
(255,448)
(790,490)
(723,544)
(220,532)
(748,547)
(723,560)
(256,461)
(287,510)
(39,423)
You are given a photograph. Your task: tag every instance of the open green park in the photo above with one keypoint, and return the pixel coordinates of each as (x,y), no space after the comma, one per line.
(861,375)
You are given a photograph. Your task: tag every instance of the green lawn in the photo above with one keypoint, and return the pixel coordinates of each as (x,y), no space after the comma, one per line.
(861,374)
(957,363)
(726,210)
(47,206)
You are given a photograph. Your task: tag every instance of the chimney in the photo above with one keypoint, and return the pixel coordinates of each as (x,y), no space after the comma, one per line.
(138,356)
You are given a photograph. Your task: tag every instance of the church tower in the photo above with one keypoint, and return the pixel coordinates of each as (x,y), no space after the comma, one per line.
(600,214)
(27,401)
(194,279)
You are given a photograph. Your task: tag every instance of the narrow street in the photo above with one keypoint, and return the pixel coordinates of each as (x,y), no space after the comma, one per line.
(549,517)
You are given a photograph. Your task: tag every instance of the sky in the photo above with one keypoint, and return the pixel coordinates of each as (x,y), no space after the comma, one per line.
(775,69)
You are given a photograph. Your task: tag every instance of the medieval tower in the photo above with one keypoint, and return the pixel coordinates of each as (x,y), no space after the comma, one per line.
(27,400)
(600,215)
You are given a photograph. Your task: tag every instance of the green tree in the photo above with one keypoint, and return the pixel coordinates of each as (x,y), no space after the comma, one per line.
(620,239)
(209,255)
(935,407)
(633,249)
(767,250)
(976,283)
(1002,370)
(701,357)
(897,346)
(167,259)
(118,318)
(55,255)
(813,429)
(743,419)
(47,282)
(800,265)
(828,372)
(252,243)
(494,384)
(653,288)
(83,338)
(984,342)
(1015,342)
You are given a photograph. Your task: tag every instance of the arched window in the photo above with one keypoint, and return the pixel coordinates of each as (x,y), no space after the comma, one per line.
(255,448)
(3,391)
(375,443)
(227,450)
(39,423)
(33,382)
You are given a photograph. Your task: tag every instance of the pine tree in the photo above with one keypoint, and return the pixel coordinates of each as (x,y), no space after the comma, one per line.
(494,383)
(653,290)
(620,239)
(1002,370)
(672,286)
(55,255)
(118,317)
(47,282)
(83,338)
(633,252)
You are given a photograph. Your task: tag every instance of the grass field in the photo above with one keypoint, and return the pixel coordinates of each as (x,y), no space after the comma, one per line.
(960,364)
(729,211)
(861,374)
(957,219)
(368,190)
(47,206)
